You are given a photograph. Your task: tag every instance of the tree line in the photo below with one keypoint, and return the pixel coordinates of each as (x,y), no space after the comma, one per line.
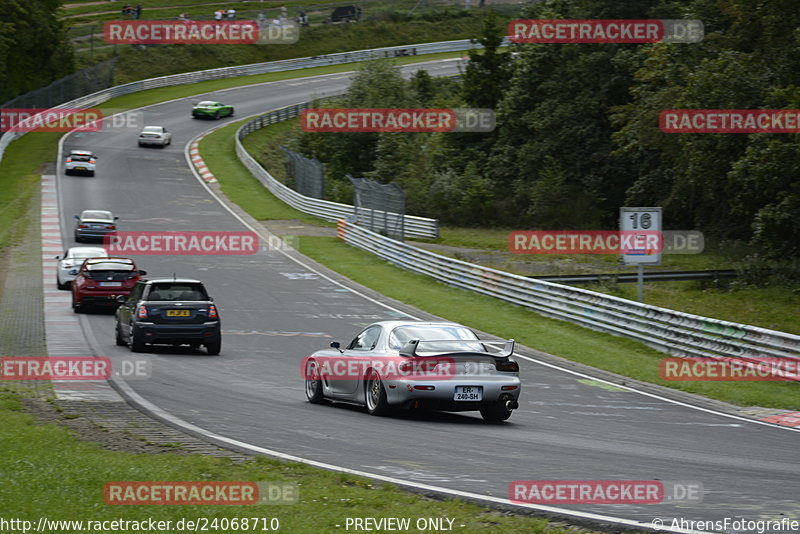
(34,49)
(578,128)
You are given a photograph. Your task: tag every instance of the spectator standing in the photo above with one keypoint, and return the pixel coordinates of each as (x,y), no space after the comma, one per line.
(138,13)
(126,10)
(218,14)
(231,14)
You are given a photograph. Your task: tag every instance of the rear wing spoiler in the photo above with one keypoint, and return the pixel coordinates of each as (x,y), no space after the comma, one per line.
(502,349)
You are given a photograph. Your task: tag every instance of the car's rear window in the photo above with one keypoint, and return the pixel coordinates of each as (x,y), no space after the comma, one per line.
(103,274)
(81,158)
(177,291)
(152,129)
(402,335)
(207,104)
(102,215)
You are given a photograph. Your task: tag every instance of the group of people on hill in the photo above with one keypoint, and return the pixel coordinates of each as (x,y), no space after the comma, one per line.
(133,12)
(221,14)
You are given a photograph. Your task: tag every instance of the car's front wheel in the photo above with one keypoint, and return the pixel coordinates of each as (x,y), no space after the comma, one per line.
(214,347)
(495,411)
(314,384)
(375,395)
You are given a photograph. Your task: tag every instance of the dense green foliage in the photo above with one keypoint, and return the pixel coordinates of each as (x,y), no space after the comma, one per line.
(33,47)
(578,134)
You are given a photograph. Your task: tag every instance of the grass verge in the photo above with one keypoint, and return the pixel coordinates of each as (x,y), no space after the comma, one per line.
(48,473)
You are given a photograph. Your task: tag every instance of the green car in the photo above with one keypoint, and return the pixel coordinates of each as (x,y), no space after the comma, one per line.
(211,110)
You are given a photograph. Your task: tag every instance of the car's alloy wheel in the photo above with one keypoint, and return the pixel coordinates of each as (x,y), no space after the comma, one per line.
(313,384)
(214,347)
(495,411)
(375,395)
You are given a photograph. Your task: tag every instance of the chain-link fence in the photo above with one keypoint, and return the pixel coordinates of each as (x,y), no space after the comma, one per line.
(307,176)
(70,87)
(379,207)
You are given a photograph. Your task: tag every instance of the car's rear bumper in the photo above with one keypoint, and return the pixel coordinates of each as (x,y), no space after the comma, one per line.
(93,234)
(178,333)
(102,299)
(88,170)
(159,142)
(494,389)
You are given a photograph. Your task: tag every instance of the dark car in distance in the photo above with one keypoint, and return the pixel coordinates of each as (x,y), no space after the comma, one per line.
(168,311)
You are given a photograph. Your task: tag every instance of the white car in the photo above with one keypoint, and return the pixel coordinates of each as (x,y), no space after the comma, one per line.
(155,135)
(71,261)
(80,162)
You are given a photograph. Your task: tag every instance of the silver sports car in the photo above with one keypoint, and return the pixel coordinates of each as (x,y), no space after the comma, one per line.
(401,364)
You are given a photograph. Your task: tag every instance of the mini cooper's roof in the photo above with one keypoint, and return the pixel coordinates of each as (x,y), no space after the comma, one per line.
(172,281)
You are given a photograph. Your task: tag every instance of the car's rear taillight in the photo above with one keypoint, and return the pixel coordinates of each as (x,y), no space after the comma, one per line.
(141,312)
(110,227)
(69,160)
(91,161)
(83,226)
(506,365)
(212,312)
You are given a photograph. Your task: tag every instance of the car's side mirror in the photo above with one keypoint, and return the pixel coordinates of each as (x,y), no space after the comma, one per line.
(58,257)
(121,299)
(76,217)
(335,344)
(116,218)
(210,299)
(142,273)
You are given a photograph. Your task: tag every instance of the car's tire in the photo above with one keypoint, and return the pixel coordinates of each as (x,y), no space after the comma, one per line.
(136,344)
(231,113)
(314,384)
(214,347)
(375,394)
(194,344)
(76,306)
(494,412)
(91,173)
(62,286)
(118,337)
(216,115)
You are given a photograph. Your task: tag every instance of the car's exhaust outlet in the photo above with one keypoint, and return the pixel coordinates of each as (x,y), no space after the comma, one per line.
(511,404)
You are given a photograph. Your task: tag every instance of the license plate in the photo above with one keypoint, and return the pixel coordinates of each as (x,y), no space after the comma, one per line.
(177,313)
(110,284)
(79,168)
(468,393)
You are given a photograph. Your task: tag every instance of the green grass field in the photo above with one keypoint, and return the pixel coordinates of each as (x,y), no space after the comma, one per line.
(48,473)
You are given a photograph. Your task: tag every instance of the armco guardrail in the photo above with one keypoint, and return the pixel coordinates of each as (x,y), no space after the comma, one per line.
(419,227)
(653,276)
(99,97)
(673,332)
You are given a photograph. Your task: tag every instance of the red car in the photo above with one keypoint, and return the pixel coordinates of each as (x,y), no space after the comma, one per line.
(101,280)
